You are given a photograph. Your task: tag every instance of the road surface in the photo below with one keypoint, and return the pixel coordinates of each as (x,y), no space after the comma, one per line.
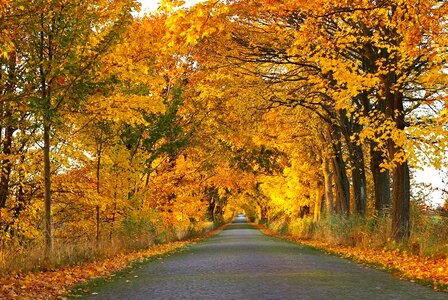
(242,263)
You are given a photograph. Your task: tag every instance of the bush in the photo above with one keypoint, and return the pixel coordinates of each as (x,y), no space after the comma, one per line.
(302,228)
(138,230)
(429,235)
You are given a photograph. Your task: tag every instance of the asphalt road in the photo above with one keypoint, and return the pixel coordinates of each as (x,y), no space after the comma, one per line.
(242,263)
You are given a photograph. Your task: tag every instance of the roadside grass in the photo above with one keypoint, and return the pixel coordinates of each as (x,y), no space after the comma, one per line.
(20,258)
(423,259)
(58,282)
(84,288)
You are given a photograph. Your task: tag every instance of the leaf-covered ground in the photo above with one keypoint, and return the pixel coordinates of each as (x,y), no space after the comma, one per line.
(426,270)
(59,282)
(242,263)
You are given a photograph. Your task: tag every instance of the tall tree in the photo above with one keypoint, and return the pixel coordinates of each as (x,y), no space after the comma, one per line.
(65,41)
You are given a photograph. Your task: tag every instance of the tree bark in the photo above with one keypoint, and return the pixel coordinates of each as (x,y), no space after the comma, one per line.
(359,189)
(46,42)
(9,128)
(400,172)
(340,175)
(98,186)
(400,202)
(114,212)
(381,178)
(211,210)
(218,215)
(356,156)
(318,203)
(20,192)
(401,195)
(47,184)
(328,185)
(6,165)
(381,181)
(358,178)
(263,213)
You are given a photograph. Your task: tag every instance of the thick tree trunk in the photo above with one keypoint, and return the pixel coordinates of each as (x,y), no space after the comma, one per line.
(401,195)
(381,181)
(359,190)
(358,179)
(400,202)
(400,171)
(381,178)
(356,156)
(340,176)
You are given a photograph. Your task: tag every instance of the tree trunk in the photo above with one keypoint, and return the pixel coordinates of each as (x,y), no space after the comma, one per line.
(359,190)
(317,205)
(381,181)
(98,186)
(328,185)
(20,192)
(400,172)
(358,178)
(356,156)
(381,178)
(320,200)
(401,195)
(340,175)
(6,165)
(263,214)
(400,202)
(211,210)
(114,211)
(47,184)
(218,215)
(46,42)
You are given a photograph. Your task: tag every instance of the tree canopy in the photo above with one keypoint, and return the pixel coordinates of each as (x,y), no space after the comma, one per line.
(114,125)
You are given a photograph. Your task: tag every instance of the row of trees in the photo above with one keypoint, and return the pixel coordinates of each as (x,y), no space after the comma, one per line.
(161,123)
(96,137)
(108,134)
(371,76)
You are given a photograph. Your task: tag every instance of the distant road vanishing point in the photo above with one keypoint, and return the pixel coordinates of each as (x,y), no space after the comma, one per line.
(242,263)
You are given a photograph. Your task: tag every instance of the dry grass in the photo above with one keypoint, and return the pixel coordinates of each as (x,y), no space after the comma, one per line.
(57,282)
(367,240)
(16,259)
(429,233)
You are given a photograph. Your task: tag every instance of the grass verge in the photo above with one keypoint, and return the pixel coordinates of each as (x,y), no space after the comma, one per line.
(60,282)
(429,271)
